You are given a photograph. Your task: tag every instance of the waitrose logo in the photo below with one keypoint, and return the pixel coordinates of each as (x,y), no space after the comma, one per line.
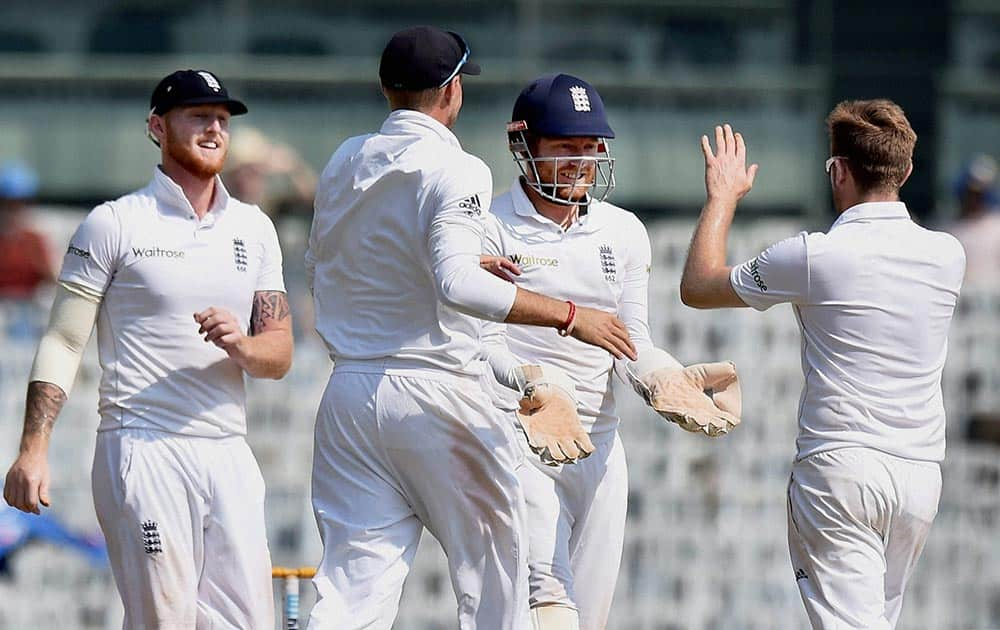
(527,260)
(156,252)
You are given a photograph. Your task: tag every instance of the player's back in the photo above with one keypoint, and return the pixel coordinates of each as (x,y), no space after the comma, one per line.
(881,295)
(373,287)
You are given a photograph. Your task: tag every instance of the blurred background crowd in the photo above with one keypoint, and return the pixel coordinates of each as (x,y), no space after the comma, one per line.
(705,540)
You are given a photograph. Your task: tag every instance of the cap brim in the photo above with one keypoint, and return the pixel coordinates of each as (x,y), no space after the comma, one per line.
(470,68)
(235,107)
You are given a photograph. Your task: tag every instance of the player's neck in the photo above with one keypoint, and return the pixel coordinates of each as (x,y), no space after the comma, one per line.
(198,190)
(561,214)
(848,201)
(443,116)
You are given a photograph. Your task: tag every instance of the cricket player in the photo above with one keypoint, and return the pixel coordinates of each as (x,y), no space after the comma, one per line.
(873,297)
(407,436)
(186,287)
(567,241)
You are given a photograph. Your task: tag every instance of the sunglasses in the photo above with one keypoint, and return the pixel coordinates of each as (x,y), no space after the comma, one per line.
(461,62)
(830,161)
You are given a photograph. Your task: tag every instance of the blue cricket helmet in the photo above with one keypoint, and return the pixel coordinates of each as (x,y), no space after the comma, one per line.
(562,105)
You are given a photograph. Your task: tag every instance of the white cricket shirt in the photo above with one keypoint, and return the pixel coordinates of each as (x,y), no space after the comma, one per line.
(394,248)
(602,261)
(874,298)
(156,265)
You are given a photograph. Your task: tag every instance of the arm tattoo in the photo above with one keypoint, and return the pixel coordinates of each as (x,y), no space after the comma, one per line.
(43,404)
(267,305)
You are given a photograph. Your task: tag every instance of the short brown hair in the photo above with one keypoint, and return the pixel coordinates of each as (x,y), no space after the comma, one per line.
(877,140)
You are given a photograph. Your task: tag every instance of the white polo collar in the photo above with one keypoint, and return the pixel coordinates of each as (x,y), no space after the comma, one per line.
(873,211)
(412,121)
(589,222)
(172,196)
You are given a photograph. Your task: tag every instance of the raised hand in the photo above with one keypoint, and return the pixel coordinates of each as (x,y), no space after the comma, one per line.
(726,174)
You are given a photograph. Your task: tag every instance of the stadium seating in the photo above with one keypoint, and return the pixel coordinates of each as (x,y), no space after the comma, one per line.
(705,538)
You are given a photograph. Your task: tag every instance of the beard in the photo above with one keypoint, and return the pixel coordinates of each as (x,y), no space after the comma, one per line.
(572,195)
(577,193)
(191,160)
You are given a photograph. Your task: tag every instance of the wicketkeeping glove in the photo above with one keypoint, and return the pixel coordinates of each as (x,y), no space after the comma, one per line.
(704,397)
(548,416)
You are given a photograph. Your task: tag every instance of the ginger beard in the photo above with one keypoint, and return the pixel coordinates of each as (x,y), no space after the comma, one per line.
(185,149)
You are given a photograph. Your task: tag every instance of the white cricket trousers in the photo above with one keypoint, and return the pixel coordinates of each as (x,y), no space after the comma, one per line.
(184,522)
(399,449)
(858,520)
(576,530)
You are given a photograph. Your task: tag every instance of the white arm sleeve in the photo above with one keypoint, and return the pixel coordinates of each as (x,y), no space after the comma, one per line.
(494,334)
(71,321)
(502,361)
(455,241)
(634,307)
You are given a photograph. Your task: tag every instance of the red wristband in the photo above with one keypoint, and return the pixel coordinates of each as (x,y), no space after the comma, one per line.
(567,326)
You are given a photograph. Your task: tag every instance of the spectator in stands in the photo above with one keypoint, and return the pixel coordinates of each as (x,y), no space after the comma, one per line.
(274,177)
(977,227)
(269,174)
(25,260)
(978,224)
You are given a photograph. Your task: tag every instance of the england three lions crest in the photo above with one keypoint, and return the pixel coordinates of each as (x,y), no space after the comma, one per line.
(240,254)
(608,265)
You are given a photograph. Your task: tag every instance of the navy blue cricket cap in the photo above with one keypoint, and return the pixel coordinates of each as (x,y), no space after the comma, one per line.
(561,105)
(423,57)
(192,87)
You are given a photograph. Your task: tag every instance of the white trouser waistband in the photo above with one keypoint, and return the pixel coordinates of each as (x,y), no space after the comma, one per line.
(405,367)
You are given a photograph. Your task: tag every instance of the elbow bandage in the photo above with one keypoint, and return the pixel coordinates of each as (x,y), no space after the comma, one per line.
(704,397)
(60,350)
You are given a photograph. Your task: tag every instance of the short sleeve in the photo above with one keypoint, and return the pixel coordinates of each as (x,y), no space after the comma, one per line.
(777,275)
(92,257)
(270,277)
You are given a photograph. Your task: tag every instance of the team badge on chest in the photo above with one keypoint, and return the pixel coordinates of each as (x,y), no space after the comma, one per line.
(608,267)
(240,254)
